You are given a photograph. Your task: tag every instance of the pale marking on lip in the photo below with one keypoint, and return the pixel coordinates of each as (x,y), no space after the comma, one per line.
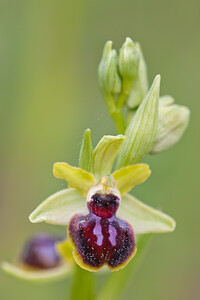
(98,232)
(113,233)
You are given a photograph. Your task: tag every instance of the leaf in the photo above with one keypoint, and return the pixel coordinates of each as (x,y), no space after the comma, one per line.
(40,276)
(142,130)
(76,177)
(86,151)
(104,154)
(126,178)
(143,218)
(59,207)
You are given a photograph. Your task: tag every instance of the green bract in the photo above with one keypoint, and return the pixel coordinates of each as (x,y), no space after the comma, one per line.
(142,130)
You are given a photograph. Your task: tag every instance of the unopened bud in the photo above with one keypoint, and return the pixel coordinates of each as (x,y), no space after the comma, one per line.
(109,79)
(172,123)
(140,86)
(128,64)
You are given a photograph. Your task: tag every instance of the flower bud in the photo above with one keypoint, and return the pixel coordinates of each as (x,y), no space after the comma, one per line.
(109,79)
(40,252)
(128,64)
(172,123)
(141,86)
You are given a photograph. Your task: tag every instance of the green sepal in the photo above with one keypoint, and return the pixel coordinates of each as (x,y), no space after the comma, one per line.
(104,154)
(86,151)
(76,177)
(141,85)
(37,276)
(142,130)
(127,177)
(143,218)
(59,207)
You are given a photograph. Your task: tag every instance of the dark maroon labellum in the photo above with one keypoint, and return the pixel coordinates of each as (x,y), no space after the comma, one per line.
(40,252)
(101,237)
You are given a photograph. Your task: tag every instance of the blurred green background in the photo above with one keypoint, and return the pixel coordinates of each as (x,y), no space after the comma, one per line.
(49,94)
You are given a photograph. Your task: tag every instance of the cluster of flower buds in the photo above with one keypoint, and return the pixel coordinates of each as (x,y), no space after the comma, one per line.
(124,84)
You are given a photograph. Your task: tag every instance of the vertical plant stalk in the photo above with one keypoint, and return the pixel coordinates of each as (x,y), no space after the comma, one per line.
(116,113)
(83,285)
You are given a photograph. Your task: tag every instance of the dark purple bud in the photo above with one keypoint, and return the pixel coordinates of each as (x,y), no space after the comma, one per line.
(40,252)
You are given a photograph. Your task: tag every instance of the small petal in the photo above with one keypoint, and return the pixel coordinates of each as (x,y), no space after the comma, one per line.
(142,130)
(104,154)
(59,207)
(143,218)
(37,275)
(126,178)
(76,177)
(86,151)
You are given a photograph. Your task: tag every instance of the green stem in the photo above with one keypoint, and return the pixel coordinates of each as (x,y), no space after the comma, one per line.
(116,113)
(83,285)
(117,281)
(122,98)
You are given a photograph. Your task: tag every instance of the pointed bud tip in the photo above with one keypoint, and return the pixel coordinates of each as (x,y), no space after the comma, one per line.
(129,41)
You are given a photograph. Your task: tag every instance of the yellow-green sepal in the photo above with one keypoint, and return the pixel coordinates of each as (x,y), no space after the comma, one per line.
(59,207)
(127,177)
(143,218)
(142,130)
(86,151)
(105,153)
(76,177)
(37,276)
